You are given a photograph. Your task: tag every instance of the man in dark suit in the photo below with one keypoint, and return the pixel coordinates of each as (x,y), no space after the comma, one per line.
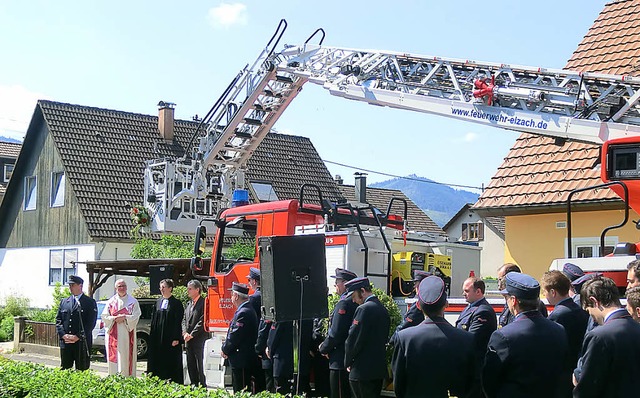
(526,357)
(333,346)
(75,321)
(193,333)
(433,358)
(239,346)
(506,317)
(555,286)
(365,347)
(610,352)
(480,320)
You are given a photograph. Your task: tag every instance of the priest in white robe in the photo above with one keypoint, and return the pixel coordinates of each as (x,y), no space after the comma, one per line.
(120,317)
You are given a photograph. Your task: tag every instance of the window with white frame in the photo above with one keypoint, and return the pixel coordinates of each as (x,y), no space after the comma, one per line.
(8,171)
(590,247)
(30,192)
(57,189)
(472,231)
(61,265)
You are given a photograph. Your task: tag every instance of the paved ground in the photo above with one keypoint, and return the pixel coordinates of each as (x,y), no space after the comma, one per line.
(98,362)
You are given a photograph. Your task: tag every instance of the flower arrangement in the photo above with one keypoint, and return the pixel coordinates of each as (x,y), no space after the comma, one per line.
(141,219)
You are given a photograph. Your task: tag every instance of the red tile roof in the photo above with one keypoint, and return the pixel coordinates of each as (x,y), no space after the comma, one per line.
(537,173)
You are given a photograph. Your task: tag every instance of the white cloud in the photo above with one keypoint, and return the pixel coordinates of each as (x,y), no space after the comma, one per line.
(16,108)
(469,137)
(228,14)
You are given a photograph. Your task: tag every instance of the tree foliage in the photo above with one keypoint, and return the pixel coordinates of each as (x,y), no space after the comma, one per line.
(169,246)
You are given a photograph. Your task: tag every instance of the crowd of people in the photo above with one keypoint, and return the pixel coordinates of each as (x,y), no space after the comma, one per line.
(587,346)
(172,326)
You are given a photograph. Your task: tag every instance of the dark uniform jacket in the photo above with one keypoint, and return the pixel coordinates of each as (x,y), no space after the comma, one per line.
(433,359)
(341,319)
(413,318)
(611,359)
(506,317)
(280,343)
(574,320)
(365,350)
(526,359)
(261,343)
(69,315)
(193,323)
(239,345)
(255,300)
(479,318)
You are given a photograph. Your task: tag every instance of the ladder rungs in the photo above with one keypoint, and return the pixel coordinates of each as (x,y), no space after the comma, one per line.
(270,93)
(242,134)
(253,122)
(284,79)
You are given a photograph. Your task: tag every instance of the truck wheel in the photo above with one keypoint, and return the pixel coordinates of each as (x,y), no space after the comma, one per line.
(143,345)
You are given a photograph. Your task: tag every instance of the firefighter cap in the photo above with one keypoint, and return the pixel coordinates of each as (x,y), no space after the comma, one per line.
(432,291)
(254,273)
(75,279)
(239,288)
(357,284)
(344,274)
(572,271)
(522,286)
(577,284)
(419,275)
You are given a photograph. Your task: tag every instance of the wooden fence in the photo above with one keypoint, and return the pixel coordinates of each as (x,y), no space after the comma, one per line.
(43,333)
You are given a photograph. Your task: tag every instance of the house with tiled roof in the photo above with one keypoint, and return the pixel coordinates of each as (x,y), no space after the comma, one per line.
(80,170)
(468,227)
(8,154)
(531,187)
(417,219)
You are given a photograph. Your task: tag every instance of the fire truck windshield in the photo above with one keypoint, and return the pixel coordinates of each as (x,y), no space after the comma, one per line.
(236,243)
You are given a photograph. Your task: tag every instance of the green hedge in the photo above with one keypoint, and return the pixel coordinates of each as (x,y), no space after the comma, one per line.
(26,379)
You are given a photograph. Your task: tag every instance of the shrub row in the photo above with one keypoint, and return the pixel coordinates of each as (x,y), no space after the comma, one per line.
(26,379)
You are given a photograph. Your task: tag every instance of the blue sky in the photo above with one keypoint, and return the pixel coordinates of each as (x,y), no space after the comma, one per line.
(129,55)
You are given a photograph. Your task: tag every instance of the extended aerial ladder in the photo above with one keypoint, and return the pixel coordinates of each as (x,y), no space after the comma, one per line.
(587,107)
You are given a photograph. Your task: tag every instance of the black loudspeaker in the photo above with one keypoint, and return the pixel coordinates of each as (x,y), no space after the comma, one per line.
(158,273)
(293,271)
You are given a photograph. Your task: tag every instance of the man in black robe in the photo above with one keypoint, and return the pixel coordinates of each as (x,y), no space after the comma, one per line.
(165,340)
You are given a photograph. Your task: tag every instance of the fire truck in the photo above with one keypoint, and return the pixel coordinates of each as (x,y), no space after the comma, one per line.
(197,191)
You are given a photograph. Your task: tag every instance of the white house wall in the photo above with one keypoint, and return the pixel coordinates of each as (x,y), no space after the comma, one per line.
(25,272)
(493,246)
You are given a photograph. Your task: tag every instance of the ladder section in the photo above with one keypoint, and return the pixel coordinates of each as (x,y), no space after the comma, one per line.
(588,107)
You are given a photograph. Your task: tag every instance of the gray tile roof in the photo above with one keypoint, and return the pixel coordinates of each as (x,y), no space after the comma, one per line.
(498,222)
(104,153)
(418,220)
(9,149)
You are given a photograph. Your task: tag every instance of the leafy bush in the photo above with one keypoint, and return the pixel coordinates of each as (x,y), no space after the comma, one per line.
(25,379)
(169,246)
(6,328)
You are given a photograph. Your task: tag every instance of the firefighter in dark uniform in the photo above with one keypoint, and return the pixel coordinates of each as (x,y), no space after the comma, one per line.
(75,321)
(525,358)
(365,348)
(280,350)
(480,320)
(506,317)
(255,301)
(433,358)
(414,316)
(333,346)
(239,346)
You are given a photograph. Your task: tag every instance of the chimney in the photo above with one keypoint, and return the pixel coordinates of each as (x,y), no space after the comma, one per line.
(339,179)
(165,120)
(361,187)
